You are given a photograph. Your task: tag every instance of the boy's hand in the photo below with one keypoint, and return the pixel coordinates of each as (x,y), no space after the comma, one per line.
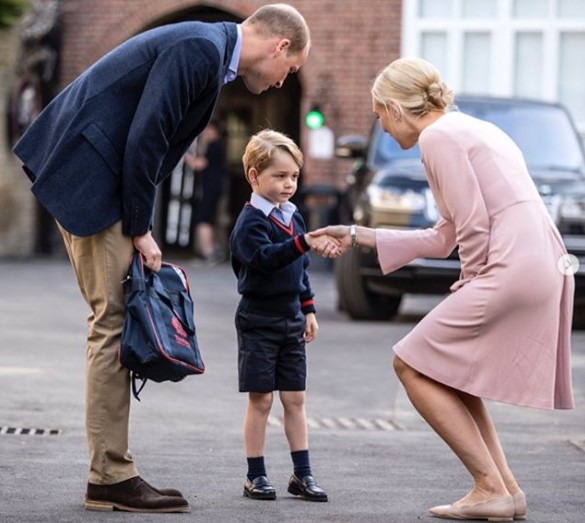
(324,245)
(338,233)
(311,327)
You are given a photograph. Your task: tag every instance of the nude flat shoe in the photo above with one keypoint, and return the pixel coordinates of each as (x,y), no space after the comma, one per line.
(519,505)
(496,509)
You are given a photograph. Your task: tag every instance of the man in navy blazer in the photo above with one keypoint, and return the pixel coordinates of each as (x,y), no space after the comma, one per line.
(95,156)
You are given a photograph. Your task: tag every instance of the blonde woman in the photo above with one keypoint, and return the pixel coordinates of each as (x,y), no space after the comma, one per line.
(504,331)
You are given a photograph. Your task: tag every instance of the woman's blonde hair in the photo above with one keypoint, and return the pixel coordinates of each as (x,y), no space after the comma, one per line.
(281,21)
(415,84)
(259,153)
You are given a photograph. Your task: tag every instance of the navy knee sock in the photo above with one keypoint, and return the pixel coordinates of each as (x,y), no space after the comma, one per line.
(301,463)
(256,467)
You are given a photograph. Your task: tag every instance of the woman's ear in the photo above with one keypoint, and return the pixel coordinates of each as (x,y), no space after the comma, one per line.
(396,111)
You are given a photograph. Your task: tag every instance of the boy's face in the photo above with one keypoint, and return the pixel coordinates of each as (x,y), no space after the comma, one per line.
(278,182)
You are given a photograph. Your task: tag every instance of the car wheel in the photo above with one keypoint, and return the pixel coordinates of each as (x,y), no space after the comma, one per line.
(354,298)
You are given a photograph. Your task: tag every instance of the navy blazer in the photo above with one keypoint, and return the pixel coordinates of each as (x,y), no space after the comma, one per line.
(97,152)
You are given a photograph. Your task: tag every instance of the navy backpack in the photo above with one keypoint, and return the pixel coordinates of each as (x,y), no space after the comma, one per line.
(159,341)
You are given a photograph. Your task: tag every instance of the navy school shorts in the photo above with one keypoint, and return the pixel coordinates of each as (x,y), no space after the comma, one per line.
(271,352)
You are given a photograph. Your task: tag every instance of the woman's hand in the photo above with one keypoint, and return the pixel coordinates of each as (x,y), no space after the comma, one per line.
(324,245)
(340,233)
(365,236)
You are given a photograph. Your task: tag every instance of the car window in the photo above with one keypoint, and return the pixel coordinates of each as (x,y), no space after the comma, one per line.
(544,134)
(388,150)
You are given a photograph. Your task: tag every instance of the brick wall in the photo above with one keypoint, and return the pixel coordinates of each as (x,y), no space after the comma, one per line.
(351,41)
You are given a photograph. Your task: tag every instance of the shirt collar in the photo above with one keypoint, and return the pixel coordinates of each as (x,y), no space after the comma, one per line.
(286,209)
(232,72)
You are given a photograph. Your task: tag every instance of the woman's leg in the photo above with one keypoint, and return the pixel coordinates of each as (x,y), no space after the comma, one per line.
(484,422)
(295,419)
(257,411)
(449,416)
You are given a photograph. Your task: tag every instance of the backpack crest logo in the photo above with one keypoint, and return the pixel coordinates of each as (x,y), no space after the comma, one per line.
(180,334)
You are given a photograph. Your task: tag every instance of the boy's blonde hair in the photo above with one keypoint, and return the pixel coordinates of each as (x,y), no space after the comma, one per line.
(260,149)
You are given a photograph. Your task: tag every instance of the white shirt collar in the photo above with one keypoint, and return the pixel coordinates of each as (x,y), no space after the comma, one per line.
(287,209)
(232,72)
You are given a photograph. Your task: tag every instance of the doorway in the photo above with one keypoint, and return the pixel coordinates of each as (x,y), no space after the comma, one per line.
(240,114)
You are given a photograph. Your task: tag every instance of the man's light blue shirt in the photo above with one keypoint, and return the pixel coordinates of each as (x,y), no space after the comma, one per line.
(234,62)
(283,212)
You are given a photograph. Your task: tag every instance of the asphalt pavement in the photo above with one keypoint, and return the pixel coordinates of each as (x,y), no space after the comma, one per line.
(378,461)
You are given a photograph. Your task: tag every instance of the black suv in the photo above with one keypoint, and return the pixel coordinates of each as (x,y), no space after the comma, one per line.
(387,188)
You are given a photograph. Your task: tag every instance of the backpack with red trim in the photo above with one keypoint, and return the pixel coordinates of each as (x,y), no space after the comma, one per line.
(159,341)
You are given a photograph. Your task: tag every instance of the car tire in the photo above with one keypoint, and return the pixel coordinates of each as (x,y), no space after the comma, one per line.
(354,298)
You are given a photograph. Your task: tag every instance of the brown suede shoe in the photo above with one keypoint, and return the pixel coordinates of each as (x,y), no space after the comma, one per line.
(166,491)
(133,495)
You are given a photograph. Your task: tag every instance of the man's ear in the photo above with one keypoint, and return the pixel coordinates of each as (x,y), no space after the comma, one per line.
(283,45)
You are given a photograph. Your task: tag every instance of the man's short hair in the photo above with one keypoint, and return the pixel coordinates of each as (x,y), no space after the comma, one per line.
(283,21)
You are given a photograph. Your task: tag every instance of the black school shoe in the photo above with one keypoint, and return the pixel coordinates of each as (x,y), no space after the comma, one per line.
(259,488)
(134,495)
(306,488)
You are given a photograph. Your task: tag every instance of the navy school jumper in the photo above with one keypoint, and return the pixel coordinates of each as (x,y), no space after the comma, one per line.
(270,261)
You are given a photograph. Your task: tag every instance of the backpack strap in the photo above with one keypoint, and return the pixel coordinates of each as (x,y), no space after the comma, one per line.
(136,390)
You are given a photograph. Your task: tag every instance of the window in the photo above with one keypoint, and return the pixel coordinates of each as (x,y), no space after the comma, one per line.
(434,49)
(436,8)
(528,70)
(525,48)
(530,8)
(479,8)
(571,9)
(572,73)
(476,55)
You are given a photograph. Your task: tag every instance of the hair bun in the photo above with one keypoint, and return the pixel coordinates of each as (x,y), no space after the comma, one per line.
(434,92)
(439,94)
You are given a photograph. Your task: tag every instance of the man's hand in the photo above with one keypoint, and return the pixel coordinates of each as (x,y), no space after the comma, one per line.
(149,249)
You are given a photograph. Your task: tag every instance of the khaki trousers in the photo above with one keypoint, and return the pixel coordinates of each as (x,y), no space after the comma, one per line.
(100,263)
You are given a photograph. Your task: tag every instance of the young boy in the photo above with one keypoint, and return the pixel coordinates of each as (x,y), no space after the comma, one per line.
(276,314)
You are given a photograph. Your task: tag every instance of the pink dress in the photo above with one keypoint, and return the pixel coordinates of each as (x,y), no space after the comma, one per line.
(504,331)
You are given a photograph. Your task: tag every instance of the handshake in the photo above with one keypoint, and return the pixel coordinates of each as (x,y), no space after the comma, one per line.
(330,242)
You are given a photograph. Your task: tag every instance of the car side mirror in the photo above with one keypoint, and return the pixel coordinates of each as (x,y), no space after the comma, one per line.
(351,146)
